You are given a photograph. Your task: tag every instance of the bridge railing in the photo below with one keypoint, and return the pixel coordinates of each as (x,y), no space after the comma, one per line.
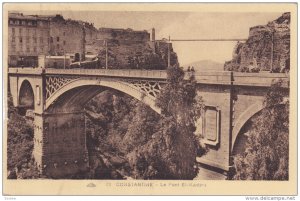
(212,77)
(161,74)
(238,78)
(208,77)
(26,70)
(259,79)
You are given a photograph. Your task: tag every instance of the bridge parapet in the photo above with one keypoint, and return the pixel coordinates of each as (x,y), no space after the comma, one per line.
(212,77)
(156,74)
(262,79)
(35,71)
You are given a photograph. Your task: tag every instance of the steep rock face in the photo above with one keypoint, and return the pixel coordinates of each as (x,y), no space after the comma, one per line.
(134,54)
(258,49)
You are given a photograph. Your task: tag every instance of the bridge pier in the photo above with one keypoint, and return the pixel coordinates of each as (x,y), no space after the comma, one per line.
(60,143)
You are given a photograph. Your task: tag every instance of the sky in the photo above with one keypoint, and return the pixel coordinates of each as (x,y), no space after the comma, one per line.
(181,25)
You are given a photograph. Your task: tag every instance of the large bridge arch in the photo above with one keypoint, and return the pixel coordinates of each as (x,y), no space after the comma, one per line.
(63,123)
(76,93)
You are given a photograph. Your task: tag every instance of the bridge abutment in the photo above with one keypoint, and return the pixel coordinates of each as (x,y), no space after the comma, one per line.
(60,144)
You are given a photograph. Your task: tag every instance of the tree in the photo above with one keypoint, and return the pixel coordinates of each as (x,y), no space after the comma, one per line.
(144,124)
(171,151)
(155,146)
(267,148)
(19,144)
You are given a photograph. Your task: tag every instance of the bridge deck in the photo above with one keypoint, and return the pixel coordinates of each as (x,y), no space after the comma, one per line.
(205,77)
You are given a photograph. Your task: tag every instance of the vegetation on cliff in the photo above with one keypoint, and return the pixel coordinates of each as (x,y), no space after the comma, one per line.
(134,141)
(170,152)
(142,55)
(267,148)
(19,145)
(267,47)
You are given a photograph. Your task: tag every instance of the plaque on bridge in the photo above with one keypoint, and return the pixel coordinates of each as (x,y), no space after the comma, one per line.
(210,127)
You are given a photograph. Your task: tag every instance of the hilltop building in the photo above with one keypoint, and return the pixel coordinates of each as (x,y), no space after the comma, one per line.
(28,37)
(67,37)
(33,36)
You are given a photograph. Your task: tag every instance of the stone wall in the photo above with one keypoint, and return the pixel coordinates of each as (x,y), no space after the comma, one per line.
(90,32)
(63,136)
(66,36)
(122,44)
(124,36)
(132,53)
(218,154)
(259,50)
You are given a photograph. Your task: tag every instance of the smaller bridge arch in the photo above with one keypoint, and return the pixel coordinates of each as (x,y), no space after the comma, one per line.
(243,118)
(26,95)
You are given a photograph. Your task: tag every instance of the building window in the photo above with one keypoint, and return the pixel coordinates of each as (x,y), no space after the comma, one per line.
(13,39)
(34,49)
(20,31)
(41,40)
(13,47)
(42,49)
(28,32)
(64,33)
(17,21)
(20,48)
(23,22)
(21,40)
(27,49)
(57,39)
(29,23)
(11,22)
(13,31)
(57,46)
(64,42)
(51,40)
(34,39)
(27,39)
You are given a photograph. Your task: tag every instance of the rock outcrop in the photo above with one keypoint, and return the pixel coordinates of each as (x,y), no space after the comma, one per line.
(267,47)
(133,54)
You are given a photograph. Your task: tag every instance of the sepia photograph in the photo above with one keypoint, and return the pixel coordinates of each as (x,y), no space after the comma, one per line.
(160,99)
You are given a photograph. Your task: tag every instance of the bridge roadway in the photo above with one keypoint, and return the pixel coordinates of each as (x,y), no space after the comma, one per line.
(263,79)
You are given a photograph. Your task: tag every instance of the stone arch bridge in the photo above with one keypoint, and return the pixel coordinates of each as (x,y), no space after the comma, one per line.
(57,97)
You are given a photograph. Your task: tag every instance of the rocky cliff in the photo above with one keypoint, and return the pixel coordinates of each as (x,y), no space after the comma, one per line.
(267,47)
(133,54)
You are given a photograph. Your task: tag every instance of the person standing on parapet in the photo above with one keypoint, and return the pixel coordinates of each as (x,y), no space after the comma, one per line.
(253,66)
(189,69)
(250,67)
(192,69)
